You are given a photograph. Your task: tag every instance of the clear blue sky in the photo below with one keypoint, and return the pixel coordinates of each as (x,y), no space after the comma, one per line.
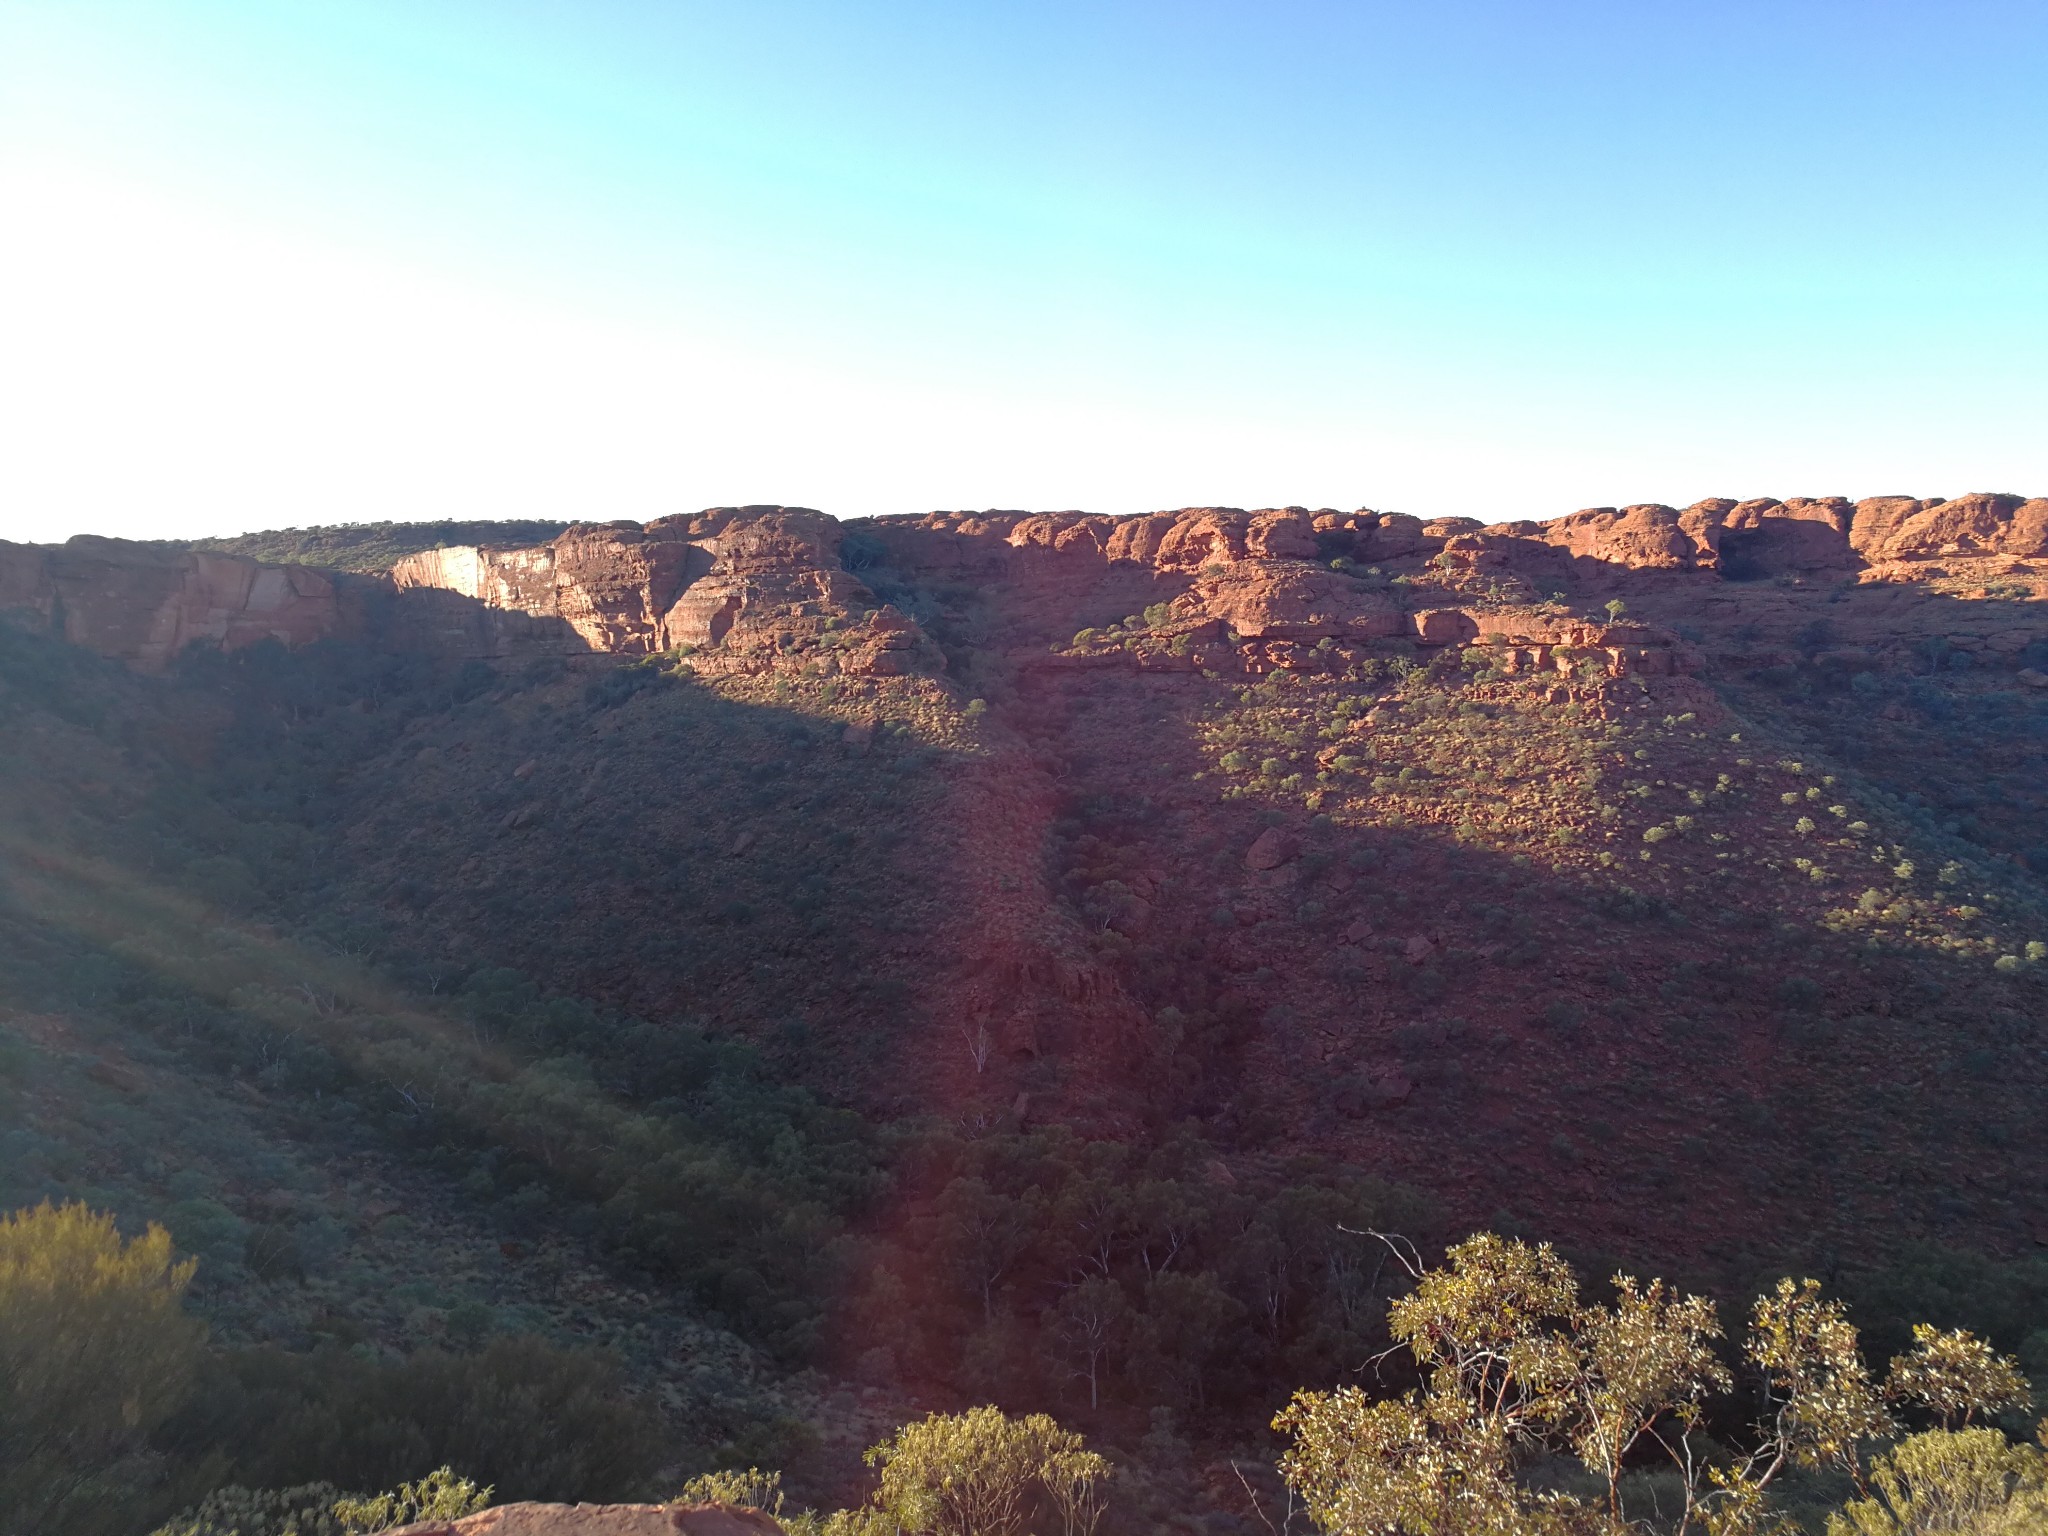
(278,263)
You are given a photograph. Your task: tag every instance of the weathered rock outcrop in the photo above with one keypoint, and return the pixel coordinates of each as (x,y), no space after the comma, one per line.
(745,584)
(762,587)
(602,1520)
(143,603)
(1765,537)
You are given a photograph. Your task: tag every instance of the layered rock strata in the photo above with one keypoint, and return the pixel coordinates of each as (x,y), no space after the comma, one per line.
(144,604)
(760,587)
(744,585)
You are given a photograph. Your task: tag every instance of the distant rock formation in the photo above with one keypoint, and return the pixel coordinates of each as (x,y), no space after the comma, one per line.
(143,603)
(742,589)
(749,583)
(1753,539)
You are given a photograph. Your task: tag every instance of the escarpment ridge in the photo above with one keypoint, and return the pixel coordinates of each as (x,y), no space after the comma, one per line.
(761,913)
(750,588)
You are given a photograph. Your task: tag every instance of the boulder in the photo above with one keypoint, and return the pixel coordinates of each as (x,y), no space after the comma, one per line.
(1270,849)
(1288,601)
(1388,1089)
(1444,626)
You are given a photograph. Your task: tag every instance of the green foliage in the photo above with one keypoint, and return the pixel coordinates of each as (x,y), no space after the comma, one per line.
(440,1495)
(1513,1363)
(308,1510)
(534,1420)
(1043,1263)
(983,1473)
(1818,1390)
(1956,1376)
(1952,1483)
(751,1489)
(96,1352)
(862,552)
(376,546)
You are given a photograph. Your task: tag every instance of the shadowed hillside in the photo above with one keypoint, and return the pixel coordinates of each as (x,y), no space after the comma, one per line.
(987,956)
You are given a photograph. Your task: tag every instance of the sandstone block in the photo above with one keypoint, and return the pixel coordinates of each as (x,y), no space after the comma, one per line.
(1271,849)
(1444,626)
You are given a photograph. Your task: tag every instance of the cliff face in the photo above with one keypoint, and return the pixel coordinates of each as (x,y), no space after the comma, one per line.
(744,584)
(144,604)
(1335,832)
(749,589)
(1747,540)
(751,583)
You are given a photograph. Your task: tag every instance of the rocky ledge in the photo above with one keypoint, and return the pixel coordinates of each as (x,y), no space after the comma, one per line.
(761,588)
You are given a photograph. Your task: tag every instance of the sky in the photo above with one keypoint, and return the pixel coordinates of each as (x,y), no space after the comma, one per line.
(279,264)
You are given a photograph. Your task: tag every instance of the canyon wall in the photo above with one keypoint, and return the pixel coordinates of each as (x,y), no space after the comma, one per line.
(144,603)
(749,588)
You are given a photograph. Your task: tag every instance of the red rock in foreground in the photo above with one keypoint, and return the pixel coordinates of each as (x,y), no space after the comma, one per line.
(602,1520)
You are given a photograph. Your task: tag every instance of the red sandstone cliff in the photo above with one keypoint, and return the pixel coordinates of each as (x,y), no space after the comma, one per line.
(744,584)
(144,603)
(751,588)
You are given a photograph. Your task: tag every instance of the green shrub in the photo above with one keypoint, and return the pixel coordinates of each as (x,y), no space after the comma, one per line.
(96,1351)
(237,1511)
(1970,1482)
(751,1489)
(535,1420)
(1799,992)
(983,1473)
(440,1495)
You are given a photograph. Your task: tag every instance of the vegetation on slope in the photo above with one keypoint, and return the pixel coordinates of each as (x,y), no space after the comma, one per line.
(376,546)
(1527,1407)
(620,1007)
